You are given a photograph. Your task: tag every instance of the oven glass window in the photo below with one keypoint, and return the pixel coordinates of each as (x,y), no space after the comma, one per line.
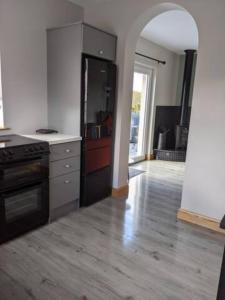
(22,204)
(23,170)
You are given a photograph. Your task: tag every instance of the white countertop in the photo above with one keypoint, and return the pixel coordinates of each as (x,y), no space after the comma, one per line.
(55,138)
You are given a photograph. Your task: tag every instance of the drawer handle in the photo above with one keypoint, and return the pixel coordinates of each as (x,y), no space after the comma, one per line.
(101,52)
(67,166)
(68,150)
(67,181)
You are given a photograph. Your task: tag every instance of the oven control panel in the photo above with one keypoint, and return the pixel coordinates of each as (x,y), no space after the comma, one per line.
(24,152)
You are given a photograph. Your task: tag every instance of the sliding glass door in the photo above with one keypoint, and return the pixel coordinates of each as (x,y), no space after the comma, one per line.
(140,113)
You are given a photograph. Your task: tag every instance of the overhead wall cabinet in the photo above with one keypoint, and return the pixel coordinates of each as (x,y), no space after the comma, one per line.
(98,43)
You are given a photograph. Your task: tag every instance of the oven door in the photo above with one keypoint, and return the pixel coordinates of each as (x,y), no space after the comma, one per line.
(23,209)
(20,173)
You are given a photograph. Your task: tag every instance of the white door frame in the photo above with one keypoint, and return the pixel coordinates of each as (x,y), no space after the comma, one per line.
(149,109)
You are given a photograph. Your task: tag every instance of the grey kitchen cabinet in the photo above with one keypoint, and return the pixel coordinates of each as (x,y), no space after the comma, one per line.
(64,189)
(64,183)
(64,79)
(65,150)
(99,43)
(65,46)
(64,166)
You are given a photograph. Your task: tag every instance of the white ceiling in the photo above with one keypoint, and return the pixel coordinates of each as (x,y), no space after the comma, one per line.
(174,30)
(88,2)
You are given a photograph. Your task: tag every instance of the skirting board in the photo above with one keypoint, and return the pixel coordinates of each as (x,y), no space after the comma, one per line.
(120,192)
(200,220)
(149,157)
(4,128)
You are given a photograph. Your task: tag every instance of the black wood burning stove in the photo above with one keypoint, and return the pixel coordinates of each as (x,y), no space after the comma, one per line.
(176,119)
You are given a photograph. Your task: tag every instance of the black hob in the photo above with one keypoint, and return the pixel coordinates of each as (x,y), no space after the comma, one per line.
(15,148)
(15,140)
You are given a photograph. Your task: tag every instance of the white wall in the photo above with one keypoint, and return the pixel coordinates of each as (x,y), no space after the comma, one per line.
(23,50)
(167,75)
(205,172)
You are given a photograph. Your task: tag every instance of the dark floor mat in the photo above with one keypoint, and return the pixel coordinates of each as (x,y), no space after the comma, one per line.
(134,172)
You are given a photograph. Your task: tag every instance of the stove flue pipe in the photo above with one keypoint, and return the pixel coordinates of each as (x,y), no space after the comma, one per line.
(186,89)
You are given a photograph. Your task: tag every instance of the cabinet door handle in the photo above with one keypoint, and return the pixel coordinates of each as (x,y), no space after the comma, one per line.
(68,150)
(67,181)
(67,166)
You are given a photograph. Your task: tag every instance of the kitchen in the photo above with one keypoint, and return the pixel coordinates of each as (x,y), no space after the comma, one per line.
(47,173)
(56,159)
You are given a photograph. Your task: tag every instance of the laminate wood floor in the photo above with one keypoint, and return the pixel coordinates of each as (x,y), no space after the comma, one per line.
(130,249)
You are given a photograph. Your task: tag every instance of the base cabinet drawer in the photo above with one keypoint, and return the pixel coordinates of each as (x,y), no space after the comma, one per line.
(64,166)
(63,151)
(64,189)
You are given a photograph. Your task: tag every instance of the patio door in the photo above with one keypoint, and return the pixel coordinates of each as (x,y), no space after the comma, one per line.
(140,113)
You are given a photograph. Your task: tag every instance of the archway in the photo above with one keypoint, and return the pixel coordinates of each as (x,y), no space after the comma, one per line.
(125,89)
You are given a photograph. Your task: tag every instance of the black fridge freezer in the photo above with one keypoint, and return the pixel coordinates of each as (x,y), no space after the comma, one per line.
(97,128)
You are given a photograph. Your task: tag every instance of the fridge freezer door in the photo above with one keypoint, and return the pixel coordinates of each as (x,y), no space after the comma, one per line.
(98,101)
(97,186)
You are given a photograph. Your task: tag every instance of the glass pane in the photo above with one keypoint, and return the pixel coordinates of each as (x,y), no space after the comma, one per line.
(23,170)
(138,115)
(99,105)
(22,204)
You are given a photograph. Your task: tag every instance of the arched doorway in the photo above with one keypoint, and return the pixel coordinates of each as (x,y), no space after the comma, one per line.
(125,89)
(162,91)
